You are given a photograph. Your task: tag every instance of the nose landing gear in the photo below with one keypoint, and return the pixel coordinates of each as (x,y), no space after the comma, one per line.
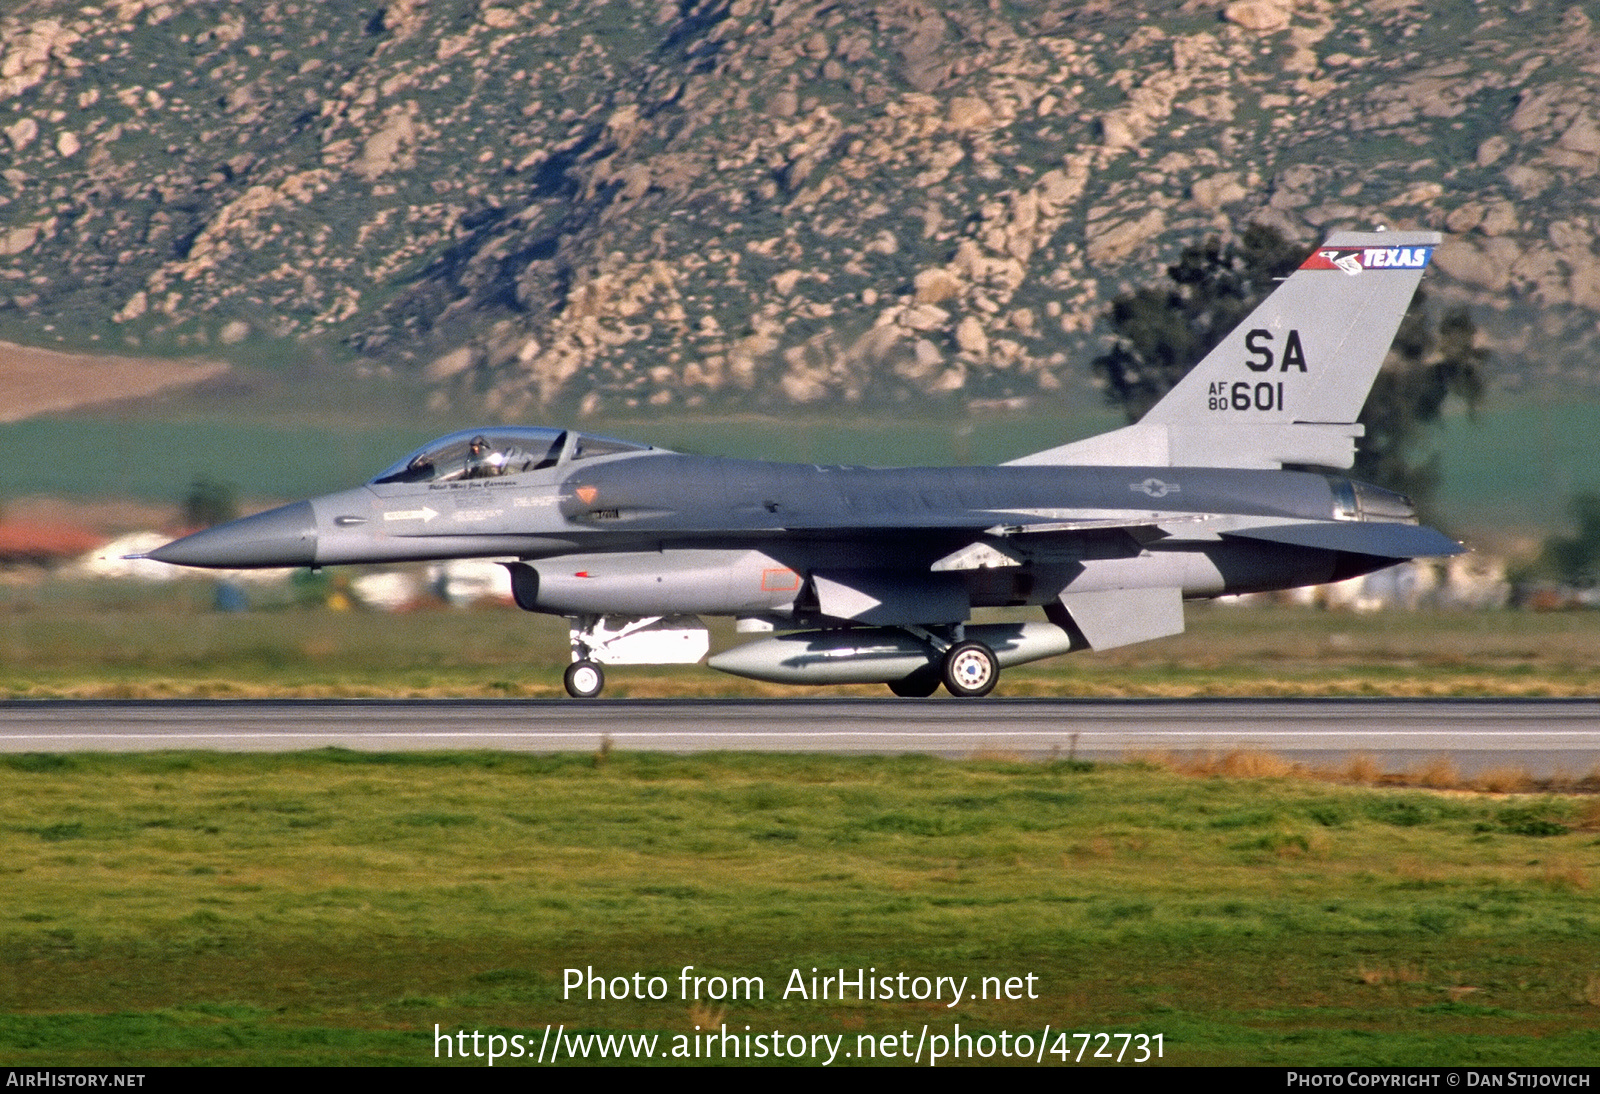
(584,679)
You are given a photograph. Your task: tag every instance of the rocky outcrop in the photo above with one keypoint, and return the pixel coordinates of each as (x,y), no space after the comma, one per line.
(546,207)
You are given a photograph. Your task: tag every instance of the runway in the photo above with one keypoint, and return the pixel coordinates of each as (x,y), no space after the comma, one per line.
(1542,737)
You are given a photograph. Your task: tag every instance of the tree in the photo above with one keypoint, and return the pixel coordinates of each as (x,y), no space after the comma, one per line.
(1576,559)
(1163,331)
(209,503)
(1427,365)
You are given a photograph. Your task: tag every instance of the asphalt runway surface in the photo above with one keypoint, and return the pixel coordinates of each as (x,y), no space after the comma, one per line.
(1541,737)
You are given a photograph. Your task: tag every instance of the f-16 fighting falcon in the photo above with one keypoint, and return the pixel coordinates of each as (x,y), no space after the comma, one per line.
(866,574)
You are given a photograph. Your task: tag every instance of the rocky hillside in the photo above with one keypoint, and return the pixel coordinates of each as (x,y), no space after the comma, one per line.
(757,203)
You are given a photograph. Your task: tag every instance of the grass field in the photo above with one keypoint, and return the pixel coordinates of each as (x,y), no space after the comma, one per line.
(333,907)
(159,458)
(106,640)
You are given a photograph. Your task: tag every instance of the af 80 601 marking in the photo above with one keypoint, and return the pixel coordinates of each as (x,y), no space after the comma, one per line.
(1242,395)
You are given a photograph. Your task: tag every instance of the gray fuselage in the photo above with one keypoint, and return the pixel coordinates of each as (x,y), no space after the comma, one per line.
(656,532)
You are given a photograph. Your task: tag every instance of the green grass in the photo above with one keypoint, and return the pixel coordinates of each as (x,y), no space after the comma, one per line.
(302,455)
(1517,464)
(332,907)
(67,639)
(158,460)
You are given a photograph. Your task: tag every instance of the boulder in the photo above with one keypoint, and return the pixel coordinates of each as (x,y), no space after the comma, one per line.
(1260,16)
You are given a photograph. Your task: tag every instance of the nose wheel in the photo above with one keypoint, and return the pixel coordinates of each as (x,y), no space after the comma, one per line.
(584,679)
(970,670)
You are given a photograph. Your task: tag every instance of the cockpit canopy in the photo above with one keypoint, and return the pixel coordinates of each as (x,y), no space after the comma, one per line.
(497,451)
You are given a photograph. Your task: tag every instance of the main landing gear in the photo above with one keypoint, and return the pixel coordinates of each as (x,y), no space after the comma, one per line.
(967,669)
(970,670)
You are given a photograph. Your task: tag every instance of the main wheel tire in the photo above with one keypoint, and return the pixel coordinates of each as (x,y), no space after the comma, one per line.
(584,679)
(970,670)
(919,685)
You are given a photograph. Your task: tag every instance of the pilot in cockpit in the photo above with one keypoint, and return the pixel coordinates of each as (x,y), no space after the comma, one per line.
(484,461)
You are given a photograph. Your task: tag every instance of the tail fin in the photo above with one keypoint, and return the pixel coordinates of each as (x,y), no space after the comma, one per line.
(1286,385)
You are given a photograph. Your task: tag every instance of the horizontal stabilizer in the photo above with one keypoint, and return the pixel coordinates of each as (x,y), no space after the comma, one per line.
(1120,617)
(1378,539)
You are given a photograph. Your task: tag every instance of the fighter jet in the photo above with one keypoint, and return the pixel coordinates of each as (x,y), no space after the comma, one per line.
(868,574)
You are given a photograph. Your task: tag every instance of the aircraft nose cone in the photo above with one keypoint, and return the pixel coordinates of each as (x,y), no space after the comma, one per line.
(279,537)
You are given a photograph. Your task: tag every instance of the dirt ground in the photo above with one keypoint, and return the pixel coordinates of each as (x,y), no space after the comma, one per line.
(42,381)
(105,517)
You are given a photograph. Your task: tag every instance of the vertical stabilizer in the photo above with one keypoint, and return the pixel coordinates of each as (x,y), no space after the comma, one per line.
(1286,385)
